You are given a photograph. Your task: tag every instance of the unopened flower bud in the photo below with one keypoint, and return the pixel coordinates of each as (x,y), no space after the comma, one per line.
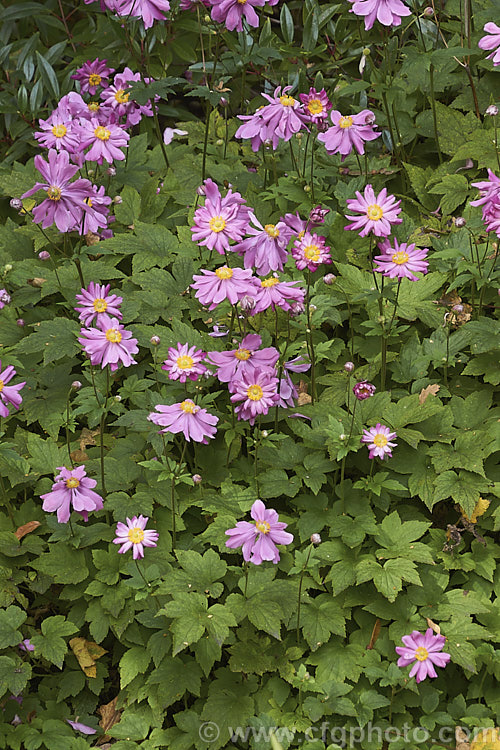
(329,279)
(264,433)
(16,204)
(307,188)
(117,199)
(44,255)
(20,322)
(296,308)
(201,190)
(118,398)
(208,374)
(366,52)
(344,170)
(315,539)
(370,118)
(317,215)
(76,385)
(247,303)
(111,171)
(196,478)
(458,308)
(363,390)
(342,436)
(223,101)
(8,267)
(155,340)
(349,366)
(4,297)
(492,110)
(312,308)
(428,11)
(460,222)
(219,142)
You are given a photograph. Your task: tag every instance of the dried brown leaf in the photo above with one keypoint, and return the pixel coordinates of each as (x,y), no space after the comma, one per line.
(87,653)
(428,390)
(36,282)
(110,716)
(26,528)
(433,625)
(78,456)
(374,635)
(461,739)
(87,438)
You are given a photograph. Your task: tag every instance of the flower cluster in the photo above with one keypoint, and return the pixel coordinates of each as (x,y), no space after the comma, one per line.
(148,10)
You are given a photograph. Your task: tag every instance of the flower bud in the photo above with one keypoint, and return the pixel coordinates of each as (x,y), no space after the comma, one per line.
(196,478)
(208,374)
(8,267)
(315,539)
(247,303)
(363,390)
(76,385)
(349,366)
(428,12)
(370,118)
(223,101)
(44,255)
(307,188)
(117,200)
(219,142)
(16,204)
(296,308)
(458,308)
(118,399)
(4,297)
(111,171)
(329,279)
(366,52)
(20,322)
(264,433)
(312,308)
(201,190)
(460,222)
(492,110)
(317,215)
(155,340)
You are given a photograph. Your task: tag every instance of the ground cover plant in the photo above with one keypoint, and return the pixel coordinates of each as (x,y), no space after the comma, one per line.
(249,374)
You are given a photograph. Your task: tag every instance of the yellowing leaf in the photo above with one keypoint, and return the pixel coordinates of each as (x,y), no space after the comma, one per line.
(480,508)
(430,389)
(87,653)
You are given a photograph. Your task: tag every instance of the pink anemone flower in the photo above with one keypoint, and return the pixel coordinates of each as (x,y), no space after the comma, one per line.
(212,287)
(72,488)
(403,261)
(220,219)
(258,540)
(278,120)
(194,422)
(349,132)
(92,75)
(184,362)
(425,650)
(257,392)
(266,248)
(378,212)
(9,394)
(491,42)
(109,343)
(378,439)
(245,359)
(95,301)
(232,13)
(387,12)
(134,535)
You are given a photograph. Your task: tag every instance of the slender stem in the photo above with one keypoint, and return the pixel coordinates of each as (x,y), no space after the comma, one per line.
(300,588)
(309,340)
(205,143)
(141,574)
(245,566)
(174,477)
(68,443)
(434,115)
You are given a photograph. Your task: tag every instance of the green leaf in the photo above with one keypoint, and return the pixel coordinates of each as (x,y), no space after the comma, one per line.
(228,705)
(14,675)
(173,678)
(319,618)
(56,338)
(63,562)
(127,212)
(45,455)
(48,75)
(10,619)
(51,643)
(287,25)
(133,662)
(190,617)
(464,488)
(311,30)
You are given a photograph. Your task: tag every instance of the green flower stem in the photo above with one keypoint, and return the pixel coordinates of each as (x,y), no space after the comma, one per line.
(68,443)
(312,173)
(102,427)
(309,340)
(300,588)
(385,338)
(342,465)
(141,574)
(172,495)
(245,568)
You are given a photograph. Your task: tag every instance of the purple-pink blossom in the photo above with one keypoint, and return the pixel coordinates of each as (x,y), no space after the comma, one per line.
(184,362)
(378,213)
(259,539)
(65,202)
(310,251)
(194,422)
(97,216)
(256,393)
(105,141)
(93,74)
(425,650)
(266,249)
(117,98)
(491,42)
(387,12)
(212,287)
(220,219)
(278,120)
(96,300)
(489,192)
(134,535)
(9,394)
(402,261)
(232,13)
(273,292)
(109,343)
(348,132)
(378,439)
(363,390)
(245,359)
(58,132)
(316,105)
(149,10)
(26,645)
(72,487)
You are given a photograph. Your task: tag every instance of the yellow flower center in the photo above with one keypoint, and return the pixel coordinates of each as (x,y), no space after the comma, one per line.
(217,224)
(102,133)
(269,282)
(100,305)
(54,193)
(374,212)
(287,101)
(272,231)
(135,535)
(400,258)
(189,407)
(311,252)
(59,130)
(88,201)
(93,106)
(184,362)
(243,354)
(263,527)
(241,2)
(113,335)
(1,386)
(121,97)
(224,272)
(380,440)
(315,107)
(72,482)
(255,393)
(345,122)
(421,654)
(94,79)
